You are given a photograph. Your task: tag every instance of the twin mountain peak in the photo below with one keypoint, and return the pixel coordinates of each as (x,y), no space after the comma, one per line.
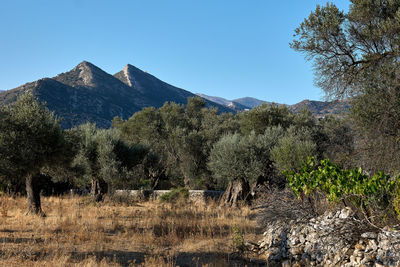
(87,93)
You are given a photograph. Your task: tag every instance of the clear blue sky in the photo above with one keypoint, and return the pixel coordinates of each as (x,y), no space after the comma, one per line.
(224,48)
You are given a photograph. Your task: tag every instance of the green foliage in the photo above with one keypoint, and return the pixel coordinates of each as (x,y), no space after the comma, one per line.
(238,240)
(337,141)
(351,49)
(396,203)
(292,150)
(260,118)
(104,156)
(175,195)
(243,157)
(355,53)
(180,139)
(365,192)
(30,138)
(376,117)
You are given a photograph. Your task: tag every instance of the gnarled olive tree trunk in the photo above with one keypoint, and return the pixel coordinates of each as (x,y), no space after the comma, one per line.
(237,190)
(99,188)
(33,194)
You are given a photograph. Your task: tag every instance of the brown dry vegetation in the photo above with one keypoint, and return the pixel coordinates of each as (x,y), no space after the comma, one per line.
(77,232)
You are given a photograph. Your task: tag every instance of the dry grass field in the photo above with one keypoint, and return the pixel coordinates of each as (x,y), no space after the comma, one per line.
(78,232)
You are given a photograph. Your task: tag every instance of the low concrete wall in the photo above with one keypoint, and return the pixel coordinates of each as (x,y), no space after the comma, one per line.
(194,195)
(79,192)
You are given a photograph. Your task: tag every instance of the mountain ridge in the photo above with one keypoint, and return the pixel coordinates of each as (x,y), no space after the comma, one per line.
(87,93)
(317,108)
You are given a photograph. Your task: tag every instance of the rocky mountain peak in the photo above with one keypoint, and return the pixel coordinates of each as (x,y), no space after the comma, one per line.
(84,74)
(86,66)
(128,77)
(87,93)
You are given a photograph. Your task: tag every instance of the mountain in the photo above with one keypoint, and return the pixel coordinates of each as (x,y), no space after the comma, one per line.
(321,108)
(250,102)
(87,93)
(317,108)
(224,102)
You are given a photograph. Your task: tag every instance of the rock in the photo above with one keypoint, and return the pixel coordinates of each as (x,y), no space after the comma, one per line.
(252,246)
(294,241)
(330,240)
(345,213)
(352,259)
(296,250)
(359,247)
(302,238)
(372,246)
(369,235)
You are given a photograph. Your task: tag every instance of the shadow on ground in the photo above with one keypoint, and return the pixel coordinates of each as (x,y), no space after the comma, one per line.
(19,240)
(184,259)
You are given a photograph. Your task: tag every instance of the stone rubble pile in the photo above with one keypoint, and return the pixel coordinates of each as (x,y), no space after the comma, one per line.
(333,239)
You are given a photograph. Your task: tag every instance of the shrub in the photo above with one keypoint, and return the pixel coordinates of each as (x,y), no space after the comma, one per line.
(292,150)
(238,240)
(371,195)
(175,195)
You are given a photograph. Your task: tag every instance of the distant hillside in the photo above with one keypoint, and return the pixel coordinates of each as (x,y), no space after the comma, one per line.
(225,102)
(317,108)
(320,108)
(250,102)
(87,93)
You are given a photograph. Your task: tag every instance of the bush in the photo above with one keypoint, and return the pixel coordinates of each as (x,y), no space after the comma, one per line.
(292,150)
(238,240)
(175,195)
(376,197)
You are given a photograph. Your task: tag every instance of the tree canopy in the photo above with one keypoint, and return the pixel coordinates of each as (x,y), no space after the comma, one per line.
(30,140)
(352,51)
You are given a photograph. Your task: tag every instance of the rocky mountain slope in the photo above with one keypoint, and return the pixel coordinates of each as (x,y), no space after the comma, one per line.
(250,102)
(321,108)
(317,108)
(225,102)
(87,93)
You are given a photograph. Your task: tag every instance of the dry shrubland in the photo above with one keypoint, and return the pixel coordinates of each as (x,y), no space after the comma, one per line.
(78,232)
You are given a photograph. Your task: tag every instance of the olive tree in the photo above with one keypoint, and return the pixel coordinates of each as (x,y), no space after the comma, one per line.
(260,118)
(236,161)
(356,54)
(180,139)
(30,140)
(104,158)
(292,150)
(350,50)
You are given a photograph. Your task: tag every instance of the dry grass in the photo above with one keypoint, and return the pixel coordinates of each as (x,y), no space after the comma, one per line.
(77,232)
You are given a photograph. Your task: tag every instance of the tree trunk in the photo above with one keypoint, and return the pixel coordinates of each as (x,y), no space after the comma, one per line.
(187,182)
(33,194)
(236,190)
(154,182)
(99,188)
